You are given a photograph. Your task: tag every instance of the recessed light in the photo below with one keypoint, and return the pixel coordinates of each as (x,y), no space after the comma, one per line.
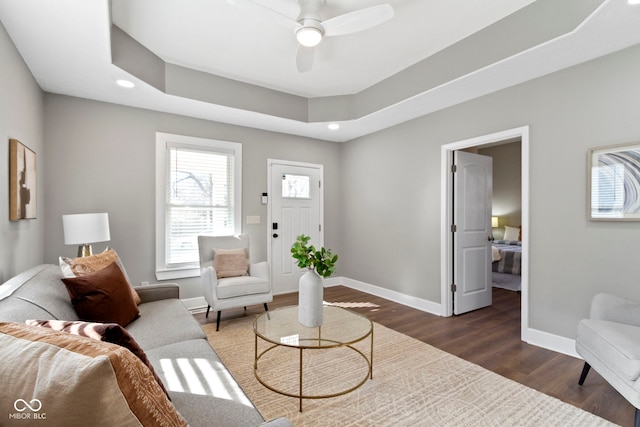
(125,83)
(334,126)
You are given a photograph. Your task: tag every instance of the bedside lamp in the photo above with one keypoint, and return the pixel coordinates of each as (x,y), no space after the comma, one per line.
(494,222)
(84,229)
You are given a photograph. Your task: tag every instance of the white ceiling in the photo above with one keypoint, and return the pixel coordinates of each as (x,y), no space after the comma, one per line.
(250,45)
(66,45)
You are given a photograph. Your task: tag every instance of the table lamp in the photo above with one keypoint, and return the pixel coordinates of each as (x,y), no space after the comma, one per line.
(84,229)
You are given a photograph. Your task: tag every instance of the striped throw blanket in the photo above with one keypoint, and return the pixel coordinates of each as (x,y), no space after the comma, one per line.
(510,257)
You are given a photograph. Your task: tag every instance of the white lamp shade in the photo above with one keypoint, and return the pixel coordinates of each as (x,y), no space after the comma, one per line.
(494,221)
(85,228)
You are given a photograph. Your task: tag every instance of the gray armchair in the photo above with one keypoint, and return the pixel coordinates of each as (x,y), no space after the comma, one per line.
(225,293)
(609,341)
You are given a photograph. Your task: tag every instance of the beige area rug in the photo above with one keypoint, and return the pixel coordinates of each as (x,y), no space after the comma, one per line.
(414,384)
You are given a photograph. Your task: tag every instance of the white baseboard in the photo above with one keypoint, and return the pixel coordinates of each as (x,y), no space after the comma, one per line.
(552,342)
(195,305)
(535,337)
(408,300)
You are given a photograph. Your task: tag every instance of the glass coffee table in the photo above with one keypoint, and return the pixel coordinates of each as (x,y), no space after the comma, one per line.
(340,331)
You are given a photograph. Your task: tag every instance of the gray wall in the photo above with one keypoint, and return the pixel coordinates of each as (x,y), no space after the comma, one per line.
(507,184)
(391,196)
(101,158)
(21,242)
(382,191)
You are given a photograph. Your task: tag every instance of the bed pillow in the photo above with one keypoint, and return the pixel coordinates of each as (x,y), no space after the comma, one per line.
(108,332)
(74,267)
(76,380)
(511,233)
(103,296)
(230,262)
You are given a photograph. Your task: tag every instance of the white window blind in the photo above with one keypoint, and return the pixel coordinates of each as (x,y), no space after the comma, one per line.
(200,180)
(199,201)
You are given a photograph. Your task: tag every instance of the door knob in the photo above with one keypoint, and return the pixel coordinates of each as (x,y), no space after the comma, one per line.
(490,238)
(275,235)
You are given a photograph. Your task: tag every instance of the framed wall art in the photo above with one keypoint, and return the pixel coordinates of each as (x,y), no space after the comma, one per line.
(22,181)
(614,183)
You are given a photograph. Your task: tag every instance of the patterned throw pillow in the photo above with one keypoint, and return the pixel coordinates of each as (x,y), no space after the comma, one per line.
(79,381)
(230,262)
(108,332)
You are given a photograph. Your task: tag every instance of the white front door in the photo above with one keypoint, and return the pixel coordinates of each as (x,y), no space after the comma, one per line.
(472,194)
(295,207)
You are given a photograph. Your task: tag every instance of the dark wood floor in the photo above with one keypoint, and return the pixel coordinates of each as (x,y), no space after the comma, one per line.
(490,338)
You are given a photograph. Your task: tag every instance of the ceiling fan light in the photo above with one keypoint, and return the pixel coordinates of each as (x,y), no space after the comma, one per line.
(309,36)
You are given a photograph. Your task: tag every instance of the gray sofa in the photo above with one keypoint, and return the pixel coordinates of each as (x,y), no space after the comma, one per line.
(165,330)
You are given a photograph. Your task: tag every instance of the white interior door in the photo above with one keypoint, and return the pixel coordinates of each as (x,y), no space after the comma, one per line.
(295,207)
(472,194)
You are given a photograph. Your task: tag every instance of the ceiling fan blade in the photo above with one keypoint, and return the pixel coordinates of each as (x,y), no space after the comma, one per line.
(304,58)
(358,20)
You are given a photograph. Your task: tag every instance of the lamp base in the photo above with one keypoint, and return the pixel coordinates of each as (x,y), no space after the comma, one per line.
(84,250)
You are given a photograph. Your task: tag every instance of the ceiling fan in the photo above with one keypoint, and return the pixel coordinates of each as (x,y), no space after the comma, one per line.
(310,28)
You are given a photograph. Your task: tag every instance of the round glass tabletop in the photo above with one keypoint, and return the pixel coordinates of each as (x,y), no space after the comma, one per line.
(340,326)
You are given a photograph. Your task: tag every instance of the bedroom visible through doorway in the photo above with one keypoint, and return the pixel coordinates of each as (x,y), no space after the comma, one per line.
(510,151)
(506,213)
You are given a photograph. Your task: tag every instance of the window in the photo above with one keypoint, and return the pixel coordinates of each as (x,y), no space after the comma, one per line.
(295,186)
(198,191)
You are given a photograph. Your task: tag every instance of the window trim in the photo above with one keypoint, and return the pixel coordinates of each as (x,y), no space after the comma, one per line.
(163,141)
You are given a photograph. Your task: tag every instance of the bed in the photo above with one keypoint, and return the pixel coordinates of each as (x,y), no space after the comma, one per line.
(507,264)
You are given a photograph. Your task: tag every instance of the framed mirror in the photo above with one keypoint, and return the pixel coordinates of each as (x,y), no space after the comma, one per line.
(614,183)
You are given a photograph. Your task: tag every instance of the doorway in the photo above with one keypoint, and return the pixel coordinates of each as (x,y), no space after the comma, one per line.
(447,150)
(295,207)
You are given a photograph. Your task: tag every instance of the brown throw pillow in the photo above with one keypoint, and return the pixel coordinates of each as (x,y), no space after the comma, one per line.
(108,332)
(103,296)
(230,262)
(74,267)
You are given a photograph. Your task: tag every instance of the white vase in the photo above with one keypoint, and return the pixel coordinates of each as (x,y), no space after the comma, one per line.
(310,298)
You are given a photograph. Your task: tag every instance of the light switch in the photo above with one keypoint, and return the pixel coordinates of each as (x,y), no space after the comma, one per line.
(253,219)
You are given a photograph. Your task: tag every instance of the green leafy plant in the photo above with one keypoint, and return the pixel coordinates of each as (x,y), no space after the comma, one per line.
(322,260)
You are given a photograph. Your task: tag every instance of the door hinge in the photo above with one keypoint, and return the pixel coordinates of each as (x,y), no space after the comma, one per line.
(454,228)
(319,184)
(454,168)
(320,227)
(454,287)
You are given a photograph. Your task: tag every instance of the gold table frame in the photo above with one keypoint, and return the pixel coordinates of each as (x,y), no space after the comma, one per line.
(335,336)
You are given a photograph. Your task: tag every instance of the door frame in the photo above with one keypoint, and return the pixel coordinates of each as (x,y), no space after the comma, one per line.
(270,163)
(446,217)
